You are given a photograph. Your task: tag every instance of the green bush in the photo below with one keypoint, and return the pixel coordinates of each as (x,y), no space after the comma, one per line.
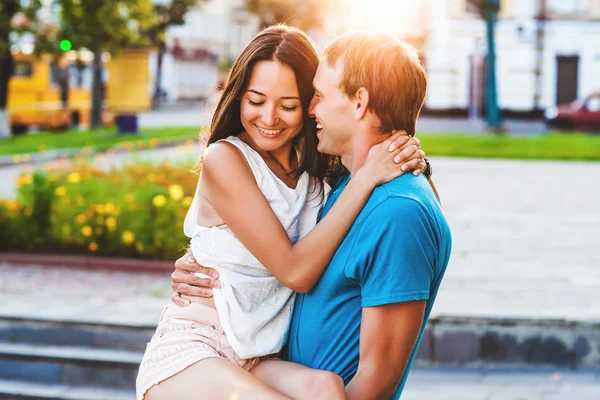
(134,211)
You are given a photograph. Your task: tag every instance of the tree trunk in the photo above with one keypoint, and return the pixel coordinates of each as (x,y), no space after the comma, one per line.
(159,65)
(6,71)
(97,91)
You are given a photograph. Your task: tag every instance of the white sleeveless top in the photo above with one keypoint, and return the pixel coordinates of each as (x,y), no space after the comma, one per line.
(255,309)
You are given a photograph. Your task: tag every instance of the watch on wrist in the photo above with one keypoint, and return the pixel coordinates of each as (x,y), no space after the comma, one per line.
(428,171)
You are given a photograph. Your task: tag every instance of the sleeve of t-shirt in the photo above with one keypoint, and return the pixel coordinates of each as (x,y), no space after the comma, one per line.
(394,254)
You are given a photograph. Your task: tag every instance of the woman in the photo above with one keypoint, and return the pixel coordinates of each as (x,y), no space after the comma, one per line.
(253,219)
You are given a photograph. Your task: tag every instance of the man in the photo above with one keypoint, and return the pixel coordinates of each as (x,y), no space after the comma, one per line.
(366,316)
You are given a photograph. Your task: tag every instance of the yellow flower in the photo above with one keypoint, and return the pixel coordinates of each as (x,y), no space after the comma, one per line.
(159,200)
(61,191)
(74,177)
(17,158)
(151,177)
(154,142)
(86,231)
(128,237)
(26,157)
(176,192)
(25,180)
(93,246)
(80,219)
(100,208)
(139,246)
(187,201)
(42,148)
(111,223)
(129,198)
(100,220)
(109,208)
(79,199)
(27,212)
(14,206)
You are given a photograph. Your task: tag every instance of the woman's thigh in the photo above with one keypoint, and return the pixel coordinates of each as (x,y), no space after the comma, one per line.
(300,382)
(213,378)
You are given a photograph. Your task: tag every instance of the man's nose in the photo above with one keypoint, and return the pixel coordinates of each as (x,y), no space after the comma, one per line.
(269,116)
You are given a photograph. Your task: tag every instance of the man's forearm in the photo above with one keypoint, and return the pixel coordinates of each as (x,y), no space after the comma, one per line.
(373,383)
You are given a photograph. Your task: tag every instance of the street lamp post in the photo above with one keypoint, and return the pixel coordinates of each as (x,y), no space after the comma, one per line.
(494,118)
(488,9)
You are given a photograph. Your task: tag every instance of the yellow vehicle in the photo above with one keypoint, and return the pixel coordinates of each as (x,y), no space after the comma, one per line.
(35,97)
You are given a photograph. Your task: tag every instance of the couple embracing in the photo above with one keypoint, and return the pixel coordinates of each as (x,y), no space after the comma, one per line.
(315,254)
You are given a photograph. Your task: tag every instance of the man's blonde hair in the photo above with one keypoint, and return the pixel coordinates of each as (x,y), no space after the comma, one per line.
(389,69)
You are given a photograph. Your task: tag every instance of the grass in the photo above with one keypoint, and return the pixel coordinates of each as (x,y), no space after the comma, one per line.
(554,146)
(99,138)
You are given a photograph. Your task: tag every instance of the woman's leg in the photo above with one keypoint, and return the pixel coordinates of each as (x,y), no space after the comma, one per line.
(300,382)
(213,378)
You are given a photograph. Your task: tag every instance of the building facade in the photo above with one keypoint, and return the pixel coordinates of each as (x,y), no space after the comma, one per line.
(200,51)
(548,53)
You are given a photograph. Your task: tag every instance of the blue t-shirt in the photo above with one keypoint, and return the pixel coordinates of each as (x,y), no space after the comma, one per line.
(396,251)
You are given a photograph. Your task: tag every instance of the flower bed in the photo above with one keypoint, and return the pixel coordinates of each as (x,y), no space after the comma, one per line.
(134,211)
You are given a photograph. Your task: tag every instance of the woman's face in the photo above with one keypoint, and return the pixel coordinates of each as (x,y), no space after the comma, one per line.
(271,111)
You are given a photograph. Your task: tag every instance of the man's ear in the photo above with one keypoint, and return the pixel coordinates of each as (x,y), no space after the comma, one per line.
(361,103)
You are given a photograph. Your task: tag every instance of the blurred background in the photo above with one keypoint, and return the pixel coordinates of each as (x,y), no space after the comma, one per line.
(101,107)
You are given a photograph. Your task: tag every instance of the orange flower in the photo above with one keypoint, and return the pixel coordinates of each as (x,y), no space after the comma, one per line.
(61,191)
(93,246)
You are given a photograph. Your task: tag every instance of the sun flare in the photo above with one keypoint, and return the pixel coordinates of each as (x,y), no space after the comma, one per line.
(392,16)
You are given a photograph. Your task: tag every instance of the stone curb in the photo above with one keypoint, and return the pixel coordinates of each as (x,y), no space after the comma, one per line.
(89,262)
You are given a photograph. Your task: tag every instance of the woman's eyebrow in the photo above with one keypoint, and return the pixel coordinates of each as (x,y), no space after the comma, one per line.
(283,98)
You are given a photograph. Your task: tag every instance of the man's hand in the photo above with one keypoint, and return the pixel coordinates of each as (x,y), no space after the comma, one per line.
(183,281)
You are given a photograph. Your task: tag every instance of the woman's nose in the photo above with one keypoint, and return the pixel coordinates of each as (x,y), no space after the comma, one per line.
(269,116)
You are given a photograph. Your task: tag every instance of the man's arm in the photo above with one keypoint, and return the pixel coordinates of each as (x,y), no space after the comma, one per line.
(394,265)
(388,335)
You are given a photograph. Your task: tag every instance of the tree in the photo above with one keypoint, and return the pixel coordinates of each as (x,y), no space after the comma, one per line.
(167,15)
(15,16)
(304,14)
(105,26)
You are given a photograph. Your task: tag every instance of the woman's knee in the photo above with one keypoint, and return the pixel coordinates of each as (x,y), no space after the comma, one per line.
(327,385)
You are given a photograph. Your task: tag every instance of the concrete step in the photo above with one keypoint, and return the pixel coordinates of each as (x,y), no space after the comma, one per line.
(19,390)
(69,365)
(510,342)
(75,333)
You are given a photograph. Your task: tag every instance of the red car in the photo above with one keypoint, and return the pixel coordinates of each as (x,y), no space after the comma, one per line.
(580,115)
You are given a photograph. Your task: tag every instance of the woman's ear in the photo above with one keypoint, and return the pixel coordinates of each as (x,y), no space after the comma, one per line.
(361,103)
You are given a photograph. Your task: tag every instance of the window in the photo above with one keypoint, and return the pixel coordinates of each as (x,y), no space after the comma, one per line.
(23,69)
(563,7)
(593,103)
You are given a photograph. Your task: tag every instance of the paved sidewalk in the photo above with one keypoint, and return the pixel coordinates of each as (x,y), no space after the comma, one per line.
(525,236)
(460,384)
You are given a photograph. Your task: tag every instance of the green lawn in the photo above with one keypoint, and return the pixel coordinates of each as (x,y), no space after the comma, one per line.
(555,146)
(100,138)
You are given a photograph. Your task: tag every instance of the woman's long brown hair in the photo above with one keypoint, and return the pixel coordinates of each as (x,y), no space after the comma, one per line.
(291,47)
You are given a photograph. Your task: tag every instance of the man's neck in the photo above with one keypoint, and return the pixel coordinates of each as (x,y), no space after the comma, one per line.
(361,143)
